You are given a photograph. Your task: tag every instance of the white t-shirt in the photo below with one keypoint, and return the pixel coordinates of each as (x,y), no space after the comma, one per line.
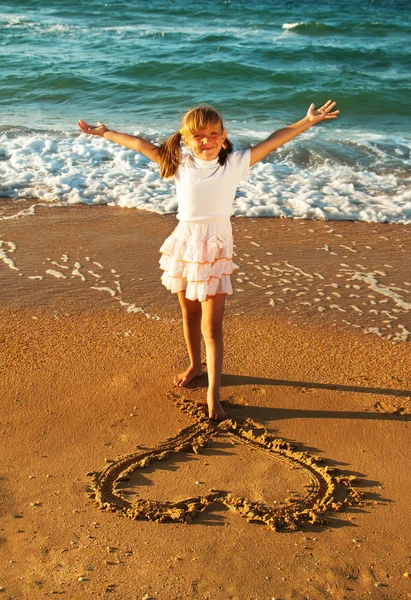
(205,189)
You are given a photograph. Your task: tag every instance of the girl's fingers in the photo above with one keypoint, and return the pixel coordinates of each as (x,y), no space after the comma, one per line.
(83,125)
(327,110)
(330,105)
(324,112)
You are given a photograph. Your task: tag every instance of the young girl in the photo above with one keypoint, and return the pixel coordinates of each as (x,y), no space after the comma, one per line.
(197,257)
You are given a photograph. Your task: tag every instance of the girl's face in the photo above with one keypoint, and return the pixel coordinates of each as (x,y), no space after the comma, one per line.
(207,142)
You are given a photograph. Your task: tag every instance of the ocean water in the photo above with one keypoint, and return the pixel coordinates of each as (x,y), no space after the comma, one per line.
(137,66)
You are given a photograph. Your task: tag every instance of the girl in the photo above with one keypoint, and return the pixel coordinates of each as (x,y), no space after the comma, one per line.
(197,257)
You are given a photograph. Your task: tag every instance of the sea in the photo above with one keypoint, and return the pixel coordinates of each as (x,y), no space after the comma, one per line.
(137,66)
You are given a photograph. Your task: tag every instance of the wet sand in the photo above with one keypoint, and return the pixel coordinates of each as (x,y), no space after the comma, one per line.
(317,356)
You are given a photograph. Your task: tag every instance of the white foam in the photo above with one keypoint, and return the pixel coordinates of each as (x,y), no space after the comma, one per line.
(291,25)
(298,270)
(374,284)
(26,212)
(104,289)
(77,273)
(403,335)
(56,274)
(74,169)
(5,257)
(53,262)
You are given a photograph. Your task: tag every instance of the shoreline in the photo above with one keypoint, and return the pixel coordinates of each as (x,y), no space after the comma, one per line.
(341,273)
(86,367)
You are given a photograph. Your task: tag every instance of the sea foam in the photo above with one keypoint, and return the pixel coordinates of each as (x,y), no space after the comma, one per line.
(360,178)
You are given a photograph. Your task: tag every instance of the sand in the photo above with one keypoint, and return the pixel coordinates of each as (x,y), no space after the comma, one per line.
(302,493)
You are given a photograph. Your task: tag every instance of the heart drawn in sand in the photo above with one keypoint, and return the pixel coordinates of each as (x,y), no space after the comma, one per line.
(327,490)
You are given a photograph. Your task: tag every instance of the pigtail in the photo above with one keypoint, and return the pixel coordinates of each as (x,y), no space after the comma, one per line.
(226,150)
(169,153)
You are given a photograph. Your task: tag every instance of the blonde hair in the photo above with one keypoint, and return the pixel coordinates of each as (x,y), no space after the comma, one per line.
(195,119)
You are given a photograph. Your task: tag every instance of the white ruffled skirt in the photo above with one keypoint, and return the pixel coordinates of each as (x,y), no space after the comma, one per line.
(197,258)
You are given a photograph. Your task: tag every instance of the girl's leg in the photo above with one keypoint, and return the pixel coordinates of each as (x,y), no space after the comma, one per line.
(191,311)
(212,327)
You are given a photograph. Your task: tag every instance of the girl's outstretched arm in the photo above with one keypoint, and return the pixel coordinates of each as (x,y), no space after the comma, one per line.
(280,137)
(124,139)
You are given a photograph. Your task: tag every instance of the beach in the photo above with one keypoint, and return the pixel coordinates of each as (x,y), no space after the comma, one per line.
(317,338)
(113,483)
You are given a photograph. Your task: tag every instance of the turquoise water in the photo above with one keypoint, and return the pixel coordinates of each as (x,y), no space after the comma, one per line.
(148,61)
(139,65)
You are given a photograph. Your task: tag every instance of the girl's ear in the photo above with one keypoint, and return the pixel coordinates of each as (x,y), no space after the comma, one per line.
(224,137)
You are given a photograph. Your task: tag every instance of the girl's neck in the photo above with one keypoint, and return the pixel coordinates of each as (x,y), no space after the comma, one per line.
(202,161)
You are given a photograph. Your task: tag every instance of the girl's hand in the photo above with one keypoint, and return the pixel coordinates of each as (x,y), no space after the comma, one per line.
(325,112)
(100,129)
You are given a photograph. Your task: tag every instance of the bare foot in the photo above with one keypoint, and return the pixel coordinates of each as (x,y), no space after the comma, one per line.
(215,410)
(184,378)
